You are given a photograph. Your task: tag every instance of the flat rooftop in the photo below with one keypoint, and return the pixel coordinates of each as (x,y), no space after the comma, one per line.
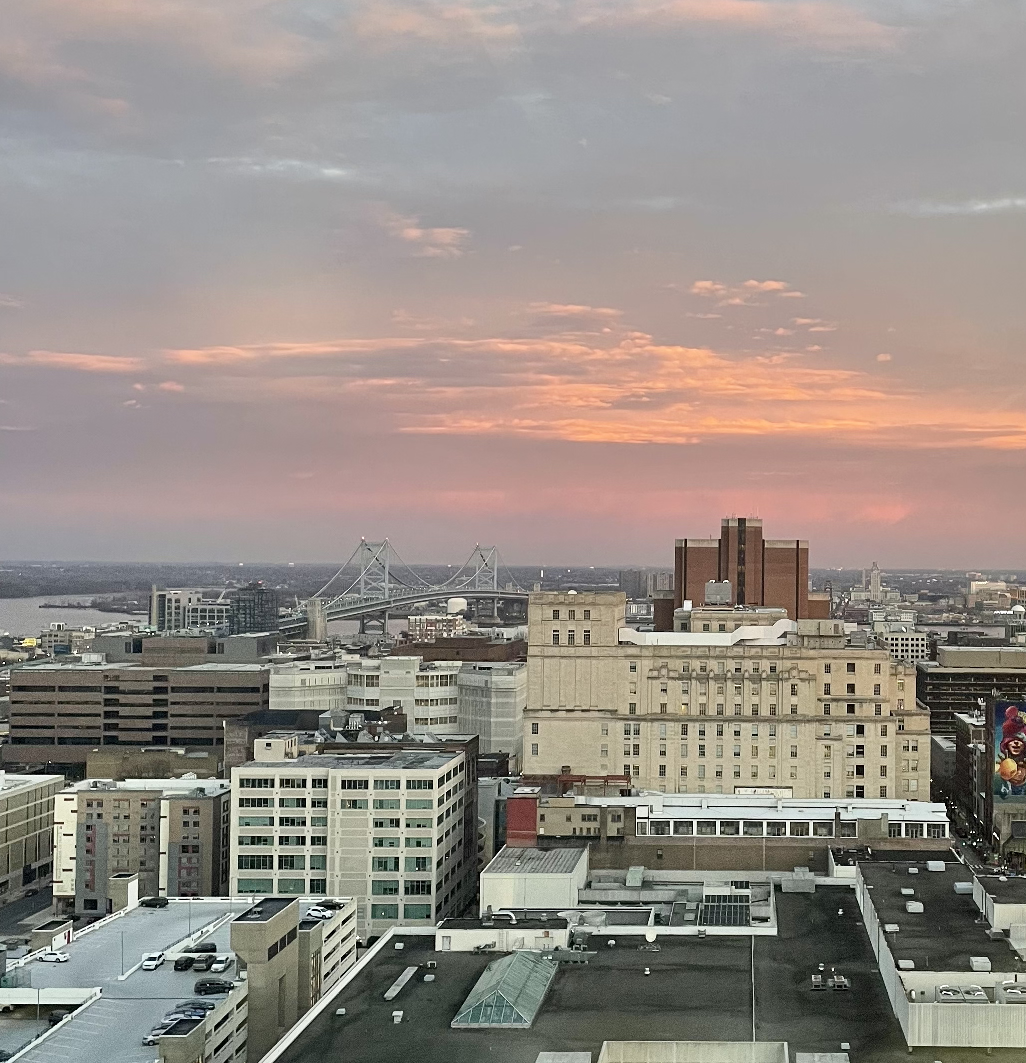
(264,910)
(711,989)
(395,760)
(1011,891)
(509,861)
(122,666)
(950,928)
(111,1029)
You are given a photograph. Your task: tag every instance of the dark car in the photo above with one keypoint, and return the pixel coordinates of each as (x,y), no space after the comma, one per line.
(204,962)
(153,902)
(202,1005)
(206,987)
(203,946)
(58,1016)
(184,962)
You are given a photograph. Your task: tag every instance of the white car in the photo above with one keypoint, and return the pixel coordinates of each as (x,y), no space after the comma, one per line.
(54,957)
(316,912)
(152,960)
(222,963)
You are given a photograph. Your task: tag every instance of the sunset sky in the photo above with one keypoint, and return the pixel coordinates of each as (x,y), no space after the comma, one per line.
(575,277)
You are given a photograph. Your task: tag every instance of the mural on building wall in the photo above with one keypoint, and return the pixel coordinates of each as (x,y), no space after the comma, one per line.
(1010,750)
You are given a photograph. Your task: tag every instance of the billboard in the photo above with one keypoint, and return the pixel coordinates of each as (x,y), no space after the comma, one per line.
(1010,751)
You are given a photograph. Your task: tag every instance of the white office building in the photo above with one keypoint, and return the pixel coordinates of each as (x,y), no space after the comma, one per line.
(425,690)
(492,699)
(394,830)
(317,685)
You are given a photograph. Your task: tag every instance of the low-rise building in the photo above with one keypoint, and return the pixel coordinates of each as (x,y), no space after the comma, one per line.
(394,829)
(318,685)
(436,625)
(172,833)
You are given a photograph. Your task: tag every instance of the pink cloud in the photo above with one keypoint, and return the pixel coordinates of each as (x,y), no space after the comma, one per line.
(83,363)
(439,242)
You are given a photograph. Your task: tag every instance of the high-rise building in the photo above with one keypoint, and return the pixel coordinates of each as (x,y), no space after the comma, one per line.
(875,583)
(395,829)
(173,833)
(314,685)
(789,707)
(773,572)
(963,676)
(253,608)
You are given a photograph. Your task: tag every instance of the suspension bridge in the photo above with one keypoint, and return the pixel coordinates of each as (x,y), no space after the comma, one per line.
(383,583)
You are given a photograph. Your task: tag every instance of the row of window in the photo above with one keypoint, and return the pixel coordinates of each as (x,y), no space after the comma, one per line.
(733,828)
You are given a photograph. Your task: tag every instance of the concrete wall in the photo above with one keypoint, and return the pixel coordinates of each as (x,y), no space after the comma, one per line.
(504,937)
(693,1052)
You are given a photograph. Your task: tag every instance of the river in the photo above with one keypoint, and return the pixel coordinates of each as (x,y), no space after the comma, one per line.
(22,616)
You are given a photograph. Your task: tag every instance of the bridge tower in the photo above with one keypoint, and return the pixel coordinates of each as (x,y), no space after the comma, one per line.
(486,578)
(375,581)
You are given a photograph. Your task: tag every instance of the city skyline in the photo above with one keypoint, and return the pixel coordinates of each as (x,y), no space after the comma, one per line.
(577,279)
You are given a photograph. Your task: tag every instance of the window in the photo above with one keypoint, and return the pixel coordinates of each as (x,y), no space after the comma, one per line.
(587,637)
(352,804)
(384,803)
(851,667)
(876,669)
(876,689)
(662,771)
(794,690)
(417,863)
(555,614)
(385,887)
(571,614)
(826,688)
(384,911)
(417,887)
(416,911)
(555,638)
(353,784)
(534,749)
(851,688)
(571,638)
(633,666)
(292,784)
(420,784)
(387,784)
(256,784)
(534,728)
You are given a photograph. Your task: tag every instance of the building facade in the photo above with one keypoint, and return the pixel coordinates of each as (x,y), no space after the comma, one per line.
(395,830)
(173,833)
(436,625)
(773,572)
(789,707)
(962,676)
(425,691)
(491,703)
(318,686)
(60,712)
(26,844)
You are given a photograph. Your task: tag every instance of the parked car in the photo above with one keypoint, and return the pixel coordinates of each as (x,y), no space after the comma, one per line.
(152,960)
(154,902)
(58,1016)
(158,1031)
(192,1013)
(206,987)
(222,963)
(202,946)
(203,1005)
(317,912)
(184,962)
(31,892)
(203,963)
(54,957)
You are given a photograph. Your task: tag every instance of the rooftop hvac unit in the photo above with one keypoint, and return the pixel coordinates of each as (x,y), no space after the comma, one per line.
(891,928)
(908,892)
(397,1017)
(914,907)
(906,965)
(963,887)
(934,865)
(913,870)
(979,963)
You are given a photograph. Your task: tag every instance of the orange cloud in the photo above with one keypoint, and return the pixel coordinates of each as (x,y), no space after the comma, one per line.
(428,243)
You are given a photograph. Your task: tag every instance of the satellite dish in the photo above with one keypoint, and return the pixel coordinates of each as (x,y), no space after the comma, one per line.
(650,936)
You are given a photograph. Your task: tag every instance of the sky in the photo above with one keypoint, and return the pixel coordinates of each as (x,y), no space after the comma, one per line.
(573,277)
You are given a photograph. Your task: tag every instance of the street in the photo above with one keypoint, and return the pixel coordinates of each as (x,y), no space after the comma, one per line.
(11,915)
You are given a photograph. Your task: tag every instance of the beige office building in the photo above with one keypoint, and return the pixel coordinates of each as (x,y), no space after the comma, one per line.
(26,840)
(787,708)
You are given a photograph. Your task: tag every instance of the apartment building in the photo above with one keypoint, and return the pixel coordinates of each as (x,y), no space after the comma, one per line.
(424,690)
(59,712)
(395,830)
(790,708)
(173,833)
(26,843)
(491,699)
